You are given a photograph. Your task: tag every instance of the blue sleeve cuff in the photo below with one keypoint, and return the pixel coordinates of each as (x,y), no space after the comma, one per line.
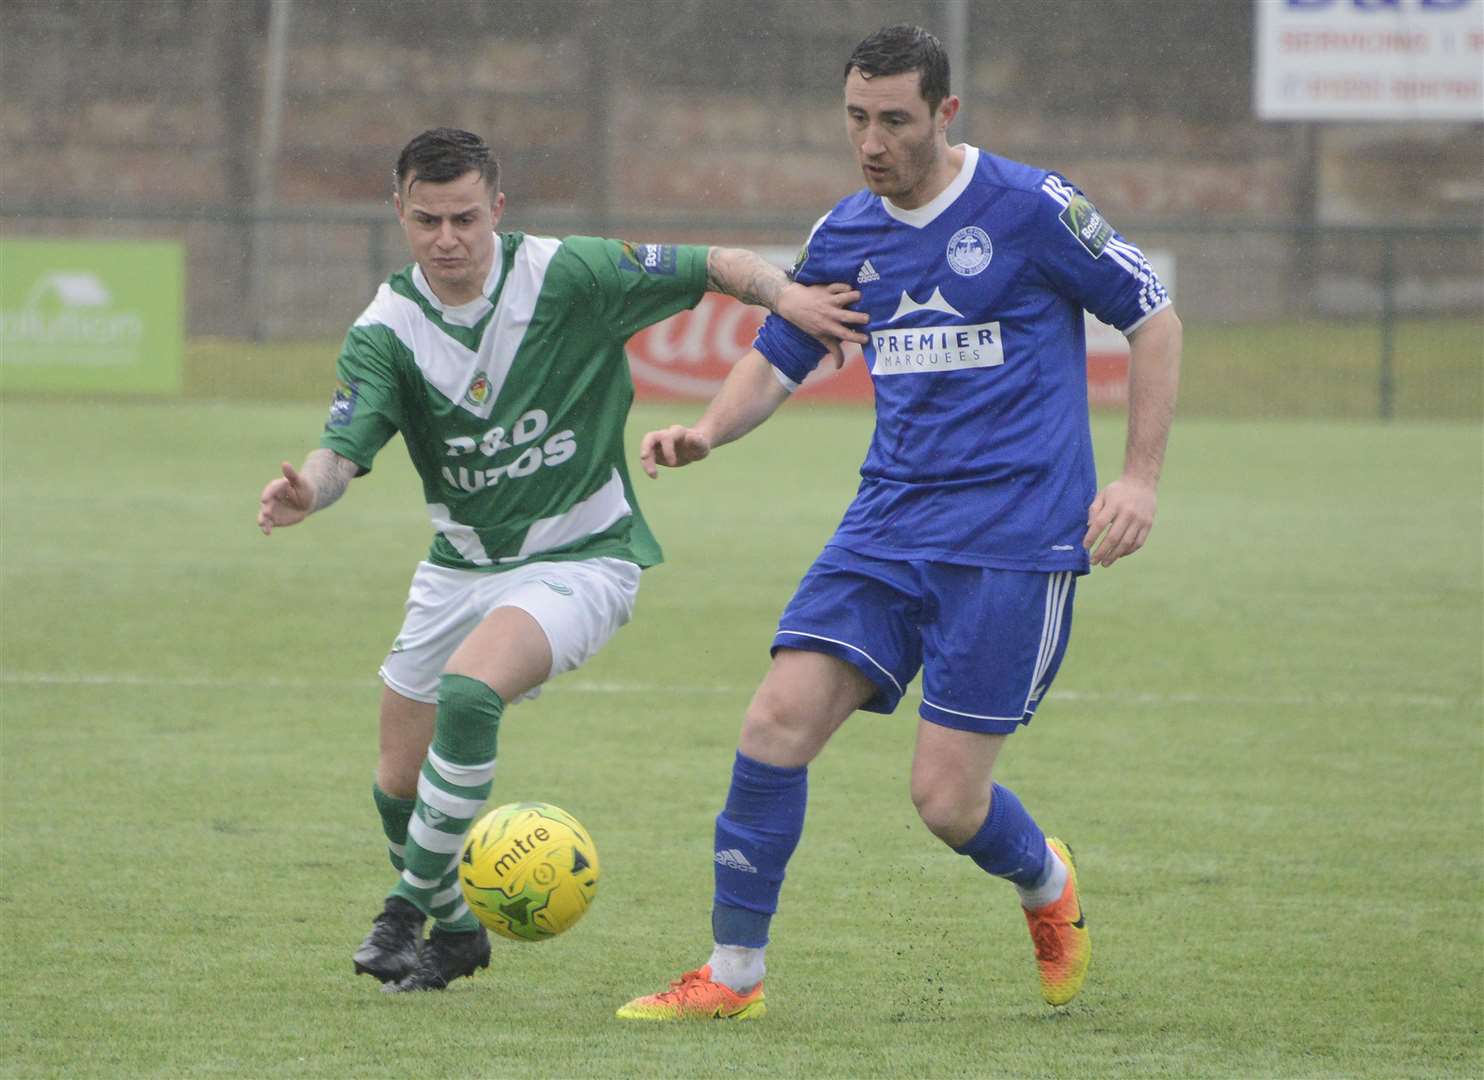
(793,353)
(1144,316)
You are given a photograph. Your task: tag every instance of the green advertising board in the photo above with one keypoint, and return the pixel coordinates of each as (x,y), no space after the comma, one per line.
(93,317)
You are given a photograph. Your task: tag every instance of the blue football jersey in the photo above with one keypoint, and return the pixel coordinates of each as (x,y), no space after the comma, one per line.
(982,453)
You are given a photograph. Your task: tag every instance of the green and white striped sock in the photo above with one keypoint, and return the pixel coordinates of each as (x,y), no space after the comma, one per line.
(448,907)
(455,781)
(395,813)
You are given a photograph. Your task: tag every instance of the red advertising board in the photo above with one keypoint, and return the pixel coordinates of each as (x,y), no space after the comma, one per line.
(1107,366)
(686,357)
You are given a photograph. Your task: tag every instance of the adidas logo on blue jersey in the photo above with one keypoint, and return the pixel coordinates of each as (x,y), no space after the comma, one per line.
(868,274)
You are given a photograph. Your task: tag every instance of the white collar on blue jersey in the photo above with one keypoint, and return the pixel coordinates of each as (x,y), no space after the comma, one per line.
(924,215)
(470,313)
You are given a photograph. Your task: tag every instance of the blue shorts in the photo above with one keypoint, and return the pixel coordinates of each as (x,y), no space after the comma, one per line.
(989,642)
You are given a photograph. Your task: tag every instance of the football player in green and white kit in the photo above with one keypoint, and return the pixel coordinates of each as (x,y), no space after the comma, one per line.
(499,358)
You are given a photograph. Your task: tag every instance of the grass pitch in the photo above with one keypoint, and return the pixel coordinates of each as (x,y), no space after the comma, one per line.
(1327,369)
(1265,744)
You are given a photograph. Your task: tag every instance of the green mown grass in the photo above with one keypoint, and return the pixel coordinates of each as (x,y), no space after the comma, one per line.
(1332,370)
(1265,744)
(1259,370)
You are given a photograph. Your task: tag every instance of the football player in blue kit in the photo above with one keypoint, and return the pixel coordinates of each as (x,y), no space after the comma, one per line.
(977,510)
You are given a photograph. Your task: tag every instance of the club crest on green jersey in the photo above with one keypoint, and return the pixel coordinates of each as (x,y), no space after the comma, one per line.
(1083,221)
(479,390)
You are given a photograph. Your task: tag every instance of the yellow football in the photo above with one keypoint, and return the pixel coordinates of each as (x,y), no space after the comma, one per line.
(529,870)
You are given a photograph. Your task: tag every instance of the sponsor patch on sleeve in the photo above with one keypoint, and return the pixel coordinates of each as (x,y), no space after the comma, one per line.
(648,259)
(799,260)
(1085,223)
(343,404)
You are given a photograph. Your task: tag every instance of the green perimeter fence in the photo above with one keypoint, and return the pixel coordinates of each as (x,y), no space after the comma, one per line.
(1282,319)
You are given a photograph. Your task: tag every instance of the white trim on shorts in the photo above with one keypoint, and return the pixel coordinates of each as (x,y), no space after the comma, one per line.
(848,645)
(1058,588)
(974,715)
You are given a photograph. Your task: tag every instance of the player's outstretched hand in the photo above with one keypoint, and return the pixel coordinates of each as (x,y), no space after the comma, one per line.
(673,447)
(823,312)
(1122,515)
(285,501)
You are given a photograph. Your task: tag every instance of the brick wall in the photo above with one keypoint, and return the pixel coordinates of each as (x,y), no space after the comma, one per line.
(713,119)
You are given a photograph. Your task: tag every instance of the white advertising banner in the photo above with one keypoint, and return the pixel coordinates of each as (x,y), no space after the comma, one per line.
(1370,60)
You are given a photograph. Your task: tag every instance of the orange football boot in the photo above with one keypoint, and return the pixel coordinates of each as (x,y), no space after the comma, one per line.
(695,997)
(1063,947)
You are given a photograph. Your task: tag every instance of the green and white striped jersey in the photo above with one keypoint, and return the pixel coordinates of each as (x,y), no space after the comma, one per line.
(513,405)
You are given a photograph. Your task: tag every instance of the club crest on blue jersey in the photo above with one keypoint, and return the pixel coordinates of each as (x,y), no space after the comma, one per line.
(343,404)
(1085,223)
(969,251)
(648,259)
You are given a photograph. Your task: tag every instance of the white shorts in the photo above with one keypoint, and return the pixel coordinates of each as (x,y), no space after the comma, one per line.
(579,604)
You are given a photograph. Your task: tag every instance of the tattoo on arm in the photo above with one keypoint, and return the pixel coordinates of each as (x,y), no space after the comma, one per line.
(330,474)
(747,276)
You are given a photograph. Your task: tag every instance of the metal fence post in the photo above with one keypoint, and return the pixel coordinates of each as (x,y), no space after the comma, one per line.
(1386,381)
(956,23)
(374,254)
(266,174)
(599,91)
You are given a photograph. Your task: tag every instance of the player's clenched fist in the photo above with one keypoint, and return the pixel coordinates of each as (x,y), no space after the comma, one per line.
(673,447)
(285,501)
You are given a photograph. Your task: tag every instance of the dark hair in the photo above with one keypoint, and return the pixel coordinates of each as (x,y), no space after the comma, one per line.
(443,154)
(895,49)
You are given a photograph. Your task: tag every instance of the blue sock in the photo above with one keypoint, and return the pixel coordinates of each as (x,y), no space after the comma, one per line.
(1009,844)
(756,832)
